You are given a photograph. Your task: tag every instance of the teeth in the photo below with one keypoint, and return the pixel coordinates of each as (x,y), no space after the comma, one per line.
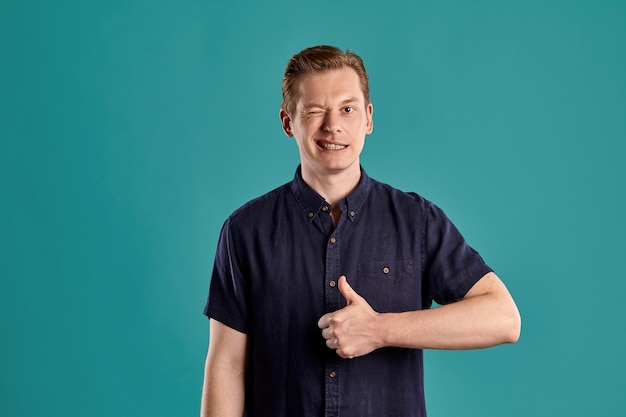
(332,146)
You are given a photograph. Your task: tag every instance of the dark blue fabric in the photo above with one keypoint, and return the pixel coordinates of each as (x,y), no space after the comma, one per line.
(276,258)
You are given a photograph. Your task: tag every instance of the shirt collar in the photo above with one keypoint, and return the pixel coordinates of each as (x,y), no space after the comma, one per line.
(312,203)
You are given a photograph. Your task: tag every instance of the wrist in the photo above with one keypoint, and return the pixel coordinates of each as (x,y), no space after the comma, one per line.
(381,329)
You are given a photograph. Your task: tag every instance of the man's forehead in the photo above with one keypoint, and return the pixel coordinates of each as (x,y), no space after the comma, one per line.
(344,84)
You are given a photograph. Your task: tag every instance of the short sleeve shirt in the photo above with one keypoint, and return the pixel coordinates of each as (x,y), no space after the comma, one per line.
(278,261)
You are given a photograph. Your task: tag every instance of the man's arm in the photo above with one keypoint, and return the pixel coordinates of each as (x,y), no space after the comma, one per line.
(486,316)
(223,393)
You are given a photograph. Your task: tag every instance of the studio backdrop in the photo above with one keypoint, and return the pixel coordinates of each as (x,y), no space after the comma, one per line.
(130,130)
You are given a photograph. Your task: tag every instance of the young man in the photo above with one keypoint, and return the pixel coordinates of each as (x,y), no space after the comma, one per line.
(321,291)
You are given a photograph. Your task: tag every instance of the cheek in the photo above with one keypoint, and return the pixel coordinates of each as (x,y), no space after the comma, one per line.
(308,125)
(359,126)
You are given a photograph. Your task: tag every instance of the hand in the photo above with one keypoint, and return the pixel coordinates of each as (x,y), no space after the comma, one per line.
(351,331)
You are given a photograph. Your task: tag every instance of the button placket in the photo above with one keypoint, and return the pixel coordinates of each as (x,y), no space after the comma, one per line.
(333,301)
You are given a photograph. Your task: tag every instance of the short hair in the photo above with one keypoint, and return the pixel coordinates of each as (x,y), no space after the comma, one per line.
(315,60)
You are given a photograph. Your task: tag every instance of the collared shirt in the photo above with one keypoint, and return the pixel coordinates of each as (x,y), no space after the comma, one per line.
(278,261)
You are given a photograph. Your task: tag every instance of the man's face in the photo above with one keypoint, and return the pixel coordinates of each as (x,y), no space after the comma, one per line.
(330,121)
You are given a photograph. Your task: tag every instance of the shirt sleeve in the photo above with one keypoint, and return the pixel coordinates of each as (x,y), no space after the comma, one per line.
(451,266)
(228,291)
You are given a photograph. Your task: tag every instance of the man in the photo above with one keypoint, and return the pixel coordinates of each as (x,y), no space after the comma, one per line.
(321,291)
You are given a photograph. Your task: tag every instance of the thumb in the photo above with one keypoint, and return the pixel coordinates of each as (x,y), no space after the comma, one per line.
(346,290)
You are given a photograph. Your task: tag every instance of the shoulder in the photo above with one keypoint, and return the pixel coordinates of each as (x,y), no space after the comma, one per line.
(259,206)
(406,205)
(390,193)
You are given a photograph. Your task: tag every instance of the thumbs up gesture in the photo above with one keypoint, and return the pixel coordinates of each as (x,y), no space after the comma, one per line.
(353,330)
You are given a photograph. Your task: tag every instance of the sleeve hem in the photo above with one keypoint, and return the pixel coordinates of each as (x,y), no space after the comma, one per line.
(474,274)
(226,320)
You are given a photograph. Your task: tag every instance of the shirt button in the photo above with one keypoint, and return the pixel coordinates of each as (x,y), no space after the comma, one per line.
(332,374)
(310,214)
(332,283)
(352,213)
(325,209)
(333,240)
(385,270)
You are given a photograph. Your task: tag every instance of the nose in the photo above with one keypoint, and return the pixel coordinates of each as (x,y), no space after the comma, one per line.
(332,123)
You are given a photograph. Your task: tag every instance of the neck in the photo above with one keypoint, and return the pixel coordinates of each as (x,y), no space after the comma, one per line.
(334,186)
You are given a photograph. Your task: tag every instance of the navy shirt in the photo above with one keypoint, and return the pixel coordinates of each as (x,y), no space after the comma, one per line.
(275,274)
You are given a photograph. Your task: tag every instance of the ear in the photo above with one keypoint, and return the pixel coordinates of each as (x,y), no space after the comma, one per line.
(370,119)
(285,121)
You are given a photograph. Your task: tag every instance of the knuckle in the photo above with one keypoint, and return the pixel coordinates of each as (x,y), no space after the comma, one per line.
(344,353)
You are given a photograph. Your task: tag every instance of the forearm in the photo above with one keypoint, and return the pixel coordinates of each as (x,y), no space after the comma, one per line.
(471,323)
(223,393)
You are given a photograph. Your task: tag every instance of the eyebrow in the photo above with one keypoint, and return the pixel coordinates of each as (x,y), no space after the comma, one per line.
(351,100)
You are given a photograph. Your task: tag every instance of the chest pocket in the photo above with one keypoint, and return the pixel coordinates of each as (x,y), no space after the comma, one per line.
(389,286)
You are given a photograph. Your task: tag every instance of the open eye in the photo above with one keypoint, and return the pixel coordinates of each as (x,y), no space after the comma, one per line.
(348,109)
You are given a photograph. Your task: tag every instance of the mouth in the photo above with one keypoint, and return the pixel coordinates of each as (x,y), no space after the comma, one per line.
(331,146)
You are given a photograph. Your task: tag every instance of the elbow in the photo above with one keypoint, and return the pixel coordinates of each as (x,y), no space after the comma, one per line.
(513,327)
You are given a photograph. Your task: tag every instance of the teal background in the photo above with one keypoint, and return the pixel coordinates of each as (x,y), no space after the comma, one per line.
(129,130)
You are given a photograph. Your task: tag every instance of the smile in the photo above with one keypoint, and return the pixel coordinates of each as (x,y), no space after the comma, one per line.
(331,146)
